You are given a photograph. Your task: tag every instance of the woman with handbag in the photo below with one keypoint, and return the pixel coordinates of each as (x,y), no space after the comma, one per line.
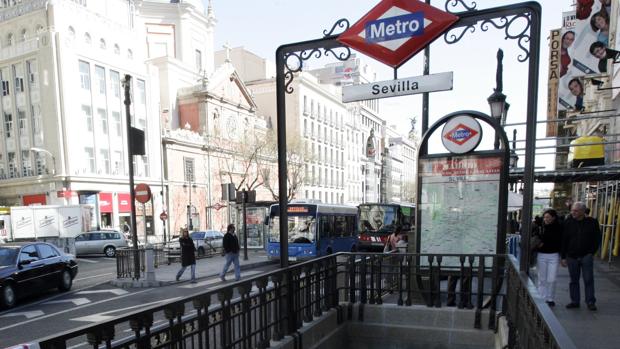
(188,257)
(548,257)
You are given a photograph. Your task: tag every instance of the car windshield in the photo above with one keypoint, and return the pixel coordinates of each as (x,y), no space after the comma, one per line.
(7,256)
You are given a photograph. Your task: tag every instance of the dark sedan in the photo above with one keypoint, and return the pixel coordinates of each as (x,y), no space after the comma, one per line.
(29,267)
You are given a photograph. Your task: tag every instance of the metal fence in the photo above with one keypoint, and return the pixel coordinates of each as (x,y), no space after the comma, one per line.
(125,259)
(252,312)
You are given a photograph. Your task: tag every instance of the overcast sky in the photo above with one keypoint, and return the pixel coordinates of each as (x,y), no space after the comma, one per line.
(261,26)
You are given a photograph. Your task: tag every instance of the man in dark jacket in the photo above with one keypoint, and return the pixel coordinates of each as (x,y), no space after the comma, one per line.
(231,249)
(580,240)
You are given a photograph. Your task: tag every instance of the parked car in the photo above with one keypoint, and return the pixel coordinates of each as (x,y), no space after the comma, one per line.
(28,267)
(100,241)
(207,243)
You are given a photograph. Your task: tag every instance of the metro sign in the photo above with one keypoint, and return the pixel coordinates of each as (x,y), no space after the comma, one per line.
(460,134)
(395,30)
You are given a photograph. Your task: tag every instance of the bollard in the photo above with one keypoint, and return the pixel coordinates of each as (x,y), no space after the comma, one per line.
(149,260)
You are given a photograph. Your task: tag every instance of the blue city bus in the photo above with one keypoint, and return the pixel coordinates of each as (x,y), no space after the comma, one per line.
(314,230)
(378,220)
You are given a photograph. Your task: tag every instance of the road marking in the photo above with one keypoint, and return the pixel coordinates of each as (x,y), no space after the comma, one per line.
(94,276)
(110,258)
(116,291)
(75,308)
(75,301)
(216,280)
(86,260)
(27,314)
(103,317)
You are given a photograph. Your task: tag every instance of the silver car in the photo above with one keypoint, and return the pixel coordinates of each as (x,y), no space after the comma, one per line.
(100,241)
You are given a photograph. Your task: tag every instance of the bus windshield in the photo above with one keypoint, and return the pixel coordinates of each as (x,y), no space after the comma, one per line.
(301,229)
(377,218)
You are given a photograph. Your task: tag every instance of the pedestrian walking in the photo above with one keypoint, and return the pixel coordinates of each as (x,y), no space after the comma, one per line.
(548,257)
(231,250)
(580,240)
(188,255)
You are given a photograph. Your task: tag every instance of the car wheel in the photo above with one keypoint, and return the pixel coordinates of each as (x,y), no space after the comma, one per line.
(65,281)
(109,251)
(201,251)
(8,296)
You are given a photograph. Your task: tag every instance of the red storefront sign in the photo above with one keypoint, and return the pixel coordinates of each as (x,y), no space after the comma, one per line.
(105,202)
(124,204)
(65,194)
(35,199)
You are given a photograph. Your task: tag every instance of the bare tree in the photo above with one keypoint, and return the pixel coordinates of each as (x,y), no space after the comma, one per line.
(297,155)
(409,191)
(244,160)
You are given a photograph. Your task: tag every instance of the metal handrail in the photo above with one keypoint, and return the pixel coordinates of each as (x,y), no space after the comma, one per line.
(256,310)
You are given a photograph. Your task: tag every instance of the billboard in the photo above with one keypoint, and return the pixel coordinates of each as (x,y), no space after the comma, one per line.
(553,82)
(585,36)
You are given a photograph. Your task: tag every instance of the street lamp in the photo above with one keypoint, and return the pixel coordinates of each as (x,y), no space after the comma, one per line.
(41,150)
(497,100)
(514,158)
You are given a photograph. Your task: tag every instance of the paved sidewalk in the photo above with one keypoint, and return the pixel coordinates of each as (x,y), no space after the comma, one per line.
(205,267)
(592,329)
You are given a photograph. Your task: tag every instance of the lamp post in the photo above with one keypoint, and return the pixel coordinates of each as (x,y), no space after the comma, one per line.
(497,100)
(514,158)
(41,150)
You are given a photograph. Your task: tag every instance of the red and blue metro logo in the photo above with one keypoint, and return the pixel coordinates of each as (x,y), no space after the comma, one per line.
(395,30)
(460,134)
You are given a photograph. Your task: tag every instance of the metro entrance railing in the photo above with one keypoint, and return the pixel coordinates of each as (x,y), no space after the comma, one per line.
(253,312)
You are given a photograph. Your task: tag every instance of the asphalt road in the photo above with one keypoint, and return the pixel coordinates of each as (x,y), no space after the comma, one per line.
(92,299)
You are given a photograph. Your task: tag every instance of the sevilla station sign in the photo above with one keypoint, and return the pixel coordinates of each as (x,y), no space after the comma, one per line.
(395,30)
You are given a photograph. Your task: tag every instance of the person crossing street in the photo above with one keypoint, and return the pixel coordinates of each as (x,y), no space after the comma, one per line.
(231,250)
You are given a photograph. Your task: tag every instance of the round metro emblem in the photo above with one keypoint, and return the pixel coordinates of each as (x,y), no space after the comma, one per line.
(461,134)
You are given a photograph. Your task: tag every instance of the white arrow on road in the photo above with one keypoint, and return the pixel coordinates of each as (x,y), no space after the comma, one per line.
(116,291)
(76,301)
(103,317)
(27,314)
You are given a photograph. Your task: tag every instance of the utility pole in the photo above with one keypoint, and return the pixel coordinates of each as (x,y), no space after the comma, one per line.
(132,193)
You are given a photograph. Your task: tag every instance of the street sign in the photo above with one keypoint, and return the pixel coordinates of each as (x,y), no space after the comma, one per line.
(143,193)
(218,206)
(400,87)
(163,216)
(395,30)
(461,134)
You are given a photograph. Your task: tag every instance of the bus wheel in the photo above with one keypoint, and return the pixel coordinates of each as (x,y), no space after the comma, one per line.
(354,248)
(329,250)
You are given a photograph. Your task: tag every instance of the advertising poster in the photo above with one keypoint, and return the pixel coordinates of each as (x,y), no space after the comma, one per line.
(553,82)
(585,36)
(459,205)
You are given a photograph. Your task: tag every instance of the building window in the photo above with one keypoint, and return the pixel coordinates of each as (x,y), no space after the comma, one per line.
(117,49)
(21,122)
(12,166)
(26,166)
(100,76)
(40,163)
(116,123)
(9,39)
(305,127)
(103,118)
(198,57)
(105,160)
(71,32)
(141,86)
(18,72)
(305,105)
(118,163)
(88,117)
(115,83)
(129,54)
(189,169)
(102,44)
(145,162)
(84,75)
(33,76)
(87,39)
(89,155)
(8,124)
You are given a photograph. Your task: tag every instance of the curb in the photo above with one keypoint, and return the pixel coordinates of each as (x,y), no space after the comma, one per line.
(131,283)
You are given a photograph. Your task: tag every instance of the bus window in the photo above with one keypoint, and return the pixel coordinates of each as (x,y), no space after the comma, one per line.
(350,221)
(326,224)
(340,226)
